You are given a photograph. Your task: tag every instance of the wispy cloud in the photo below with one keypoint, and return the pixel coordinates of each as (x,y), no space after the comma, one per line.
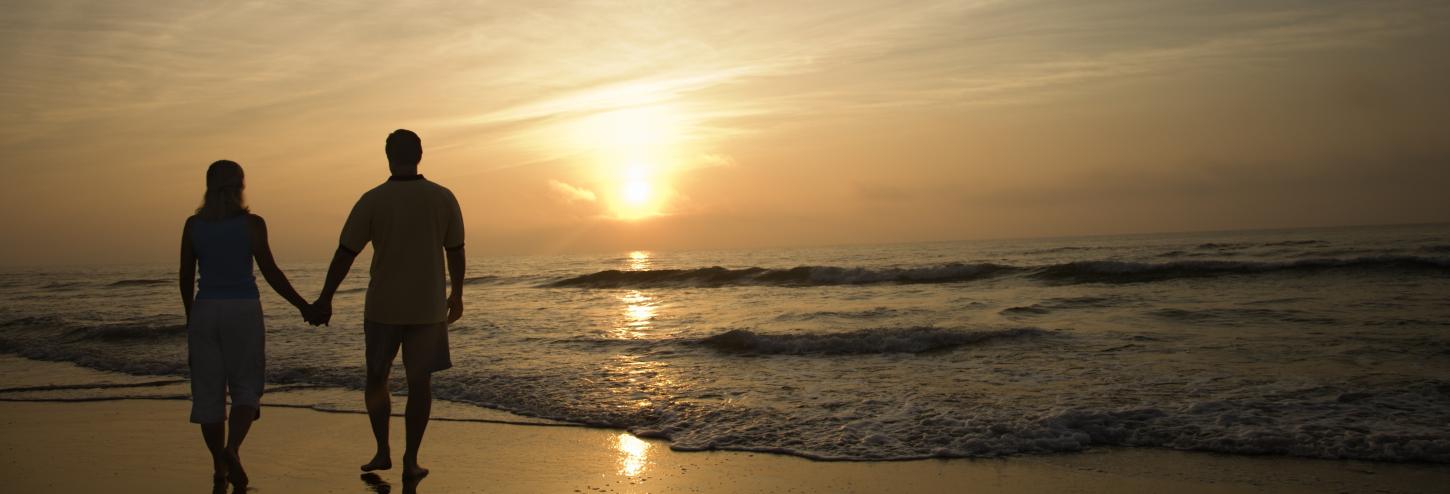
(517,72)
(772,106)
(572,193)
(803,63)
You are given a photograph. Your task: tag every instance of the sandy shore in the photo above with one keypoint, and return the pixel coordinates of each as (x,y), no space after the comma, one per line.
(146,446)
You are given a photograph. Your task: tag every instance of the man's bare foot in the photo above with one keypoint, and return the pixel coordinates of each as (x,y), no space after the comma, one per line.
(235,473)
(413,471)
(381,461)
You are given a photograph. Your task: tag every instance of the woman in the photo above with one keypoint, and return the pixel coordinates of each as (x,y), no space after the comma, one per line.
(225,335)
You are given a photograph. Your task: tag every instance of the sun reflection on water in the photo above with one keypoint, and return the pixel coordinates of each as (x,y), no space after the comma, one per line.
(639,261)
(633,454)
(639,313)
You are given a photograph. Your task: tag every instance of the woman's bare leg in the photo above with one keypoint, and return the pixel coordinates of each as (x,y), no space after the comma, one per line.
(240,422)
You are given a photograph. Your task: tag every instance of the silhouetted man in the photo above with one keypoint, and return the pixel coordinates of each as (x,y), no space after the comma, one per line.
(413,225)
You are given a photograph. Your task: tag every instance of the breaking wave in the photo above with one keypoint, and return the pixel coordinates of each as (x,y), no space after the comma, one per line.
(865,341)
(1136,272)
(1072,272)
(141,282)
(121,333)
(798,276)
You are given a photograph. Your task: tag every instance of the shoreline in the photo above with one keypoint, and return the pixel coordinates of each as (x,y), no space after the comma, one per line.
(74,429)
(146,445)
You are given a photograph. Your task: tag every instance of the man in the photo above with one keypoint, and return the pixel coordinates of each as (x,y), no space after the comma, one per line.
(413,224)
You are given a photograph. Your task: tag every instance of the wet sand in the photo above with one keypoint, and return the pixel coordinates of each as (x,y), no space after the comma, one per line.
(147,446)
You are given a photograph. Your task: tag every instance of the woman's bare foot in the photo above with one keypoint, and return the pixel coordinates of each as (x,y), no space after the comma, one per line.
(235,473)
(218,471)
(381,461)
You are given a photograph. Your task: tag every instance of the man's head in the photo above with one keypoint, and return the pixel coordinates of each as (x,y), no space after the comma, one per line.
(404,150)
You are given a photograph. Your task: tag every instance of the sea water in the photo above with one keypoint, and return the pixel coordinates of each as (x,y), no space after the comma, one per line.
(1328,343)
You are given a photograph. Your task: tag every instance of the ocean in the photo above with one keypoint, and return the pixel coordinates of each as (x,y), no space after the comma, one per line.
(1323,343)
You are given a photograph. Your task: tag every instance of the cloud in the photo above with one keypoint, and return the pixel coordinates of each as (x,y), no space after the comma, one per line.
(571,193)
(716,159)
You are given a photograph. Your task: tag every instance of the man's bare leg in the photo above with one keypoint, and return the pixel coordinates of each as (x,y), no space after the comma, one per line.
(420,408)
(215,437)
(380,409)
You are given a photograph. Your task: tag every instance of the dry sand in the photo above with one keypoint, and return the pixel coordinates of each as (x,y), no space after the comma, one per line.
(147,446)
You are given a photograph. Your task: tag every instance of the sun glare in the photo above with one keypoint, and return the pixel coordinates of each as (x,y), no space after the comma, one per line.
(636,191)
(633,148)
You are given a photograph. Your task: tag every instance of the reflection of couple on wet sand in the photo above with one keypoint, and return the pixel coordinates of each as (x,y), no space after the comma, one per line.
(414,226)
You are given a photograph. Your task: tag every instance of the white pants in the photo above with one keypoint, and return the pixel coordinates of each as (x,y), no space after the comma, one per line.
(226,341)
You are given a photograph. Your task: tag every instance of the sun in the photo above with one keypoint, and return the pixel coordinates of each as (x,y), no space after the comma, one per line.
(636,192)
(636,198)
(634,149)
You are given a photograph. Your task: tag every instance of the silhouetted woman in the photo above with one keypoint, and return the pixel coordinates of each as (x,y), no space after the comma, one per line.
(225,336)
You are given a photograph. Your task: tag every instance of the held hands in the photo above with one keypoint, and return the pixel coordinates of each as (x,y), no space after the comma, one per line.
(317,313)
(320,312)
(309,314)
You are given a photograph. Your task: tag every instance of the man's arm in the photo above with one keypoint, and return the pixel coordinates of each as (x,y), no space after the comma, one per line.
(356,233)
(453,245)
(456,268)
(336,272)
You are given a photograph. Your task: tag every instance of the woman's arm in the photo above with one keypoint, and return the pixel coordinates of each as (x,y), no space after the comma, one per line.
(262,252)
(187,273)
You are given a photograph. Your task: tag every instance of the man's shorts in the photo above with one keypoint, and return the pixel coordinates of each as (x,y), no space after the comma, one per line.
(425,346)
(226,344)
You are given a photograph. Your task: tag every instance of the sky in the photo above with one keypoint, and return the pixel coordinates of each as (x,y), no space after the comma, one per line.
(567,127)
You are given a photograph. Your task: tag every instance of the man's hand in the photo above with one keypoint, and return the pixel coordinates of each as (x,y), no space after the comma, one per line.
(313,315)
(321,312)
(455,308)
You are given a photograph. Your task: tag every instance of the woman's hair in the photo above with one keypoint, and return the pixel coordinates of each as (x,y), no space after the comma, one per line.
(224,184)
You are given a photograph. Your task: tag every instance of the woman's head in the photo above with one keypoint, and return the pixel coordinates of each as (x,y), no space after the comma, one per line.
(224,184)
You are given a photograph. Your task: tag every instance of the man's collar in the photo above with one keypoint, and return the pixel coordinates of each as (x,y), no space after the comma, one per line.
(404,178)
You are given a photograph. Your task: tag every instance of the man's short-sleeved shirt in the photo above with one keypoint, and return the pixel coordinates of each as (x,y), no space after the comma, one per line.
(410,222)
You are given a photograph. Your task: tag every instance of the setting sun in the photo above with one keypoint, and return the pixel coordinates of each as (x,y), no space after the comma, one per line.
(636,192)
(636,199)
(631,150)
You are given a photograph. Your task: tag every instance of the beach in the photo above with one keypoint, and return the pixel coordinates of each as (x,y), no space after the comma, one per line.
(147,446)
(1305,360)
(1315,343)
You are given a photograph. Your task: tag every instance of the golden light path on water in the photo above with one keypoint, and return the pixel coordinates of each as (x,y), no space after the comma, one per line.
(638,311)
(639,306)
(639,261)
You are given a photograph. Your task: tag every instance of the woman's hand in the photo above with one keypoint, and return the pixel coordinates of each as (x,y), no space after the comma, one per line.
(322,311)
(314,314)
(305,310)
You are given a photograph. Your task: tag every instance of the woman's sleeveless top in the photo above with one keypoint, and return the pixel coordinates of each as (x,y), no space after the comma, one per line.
(224,251)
